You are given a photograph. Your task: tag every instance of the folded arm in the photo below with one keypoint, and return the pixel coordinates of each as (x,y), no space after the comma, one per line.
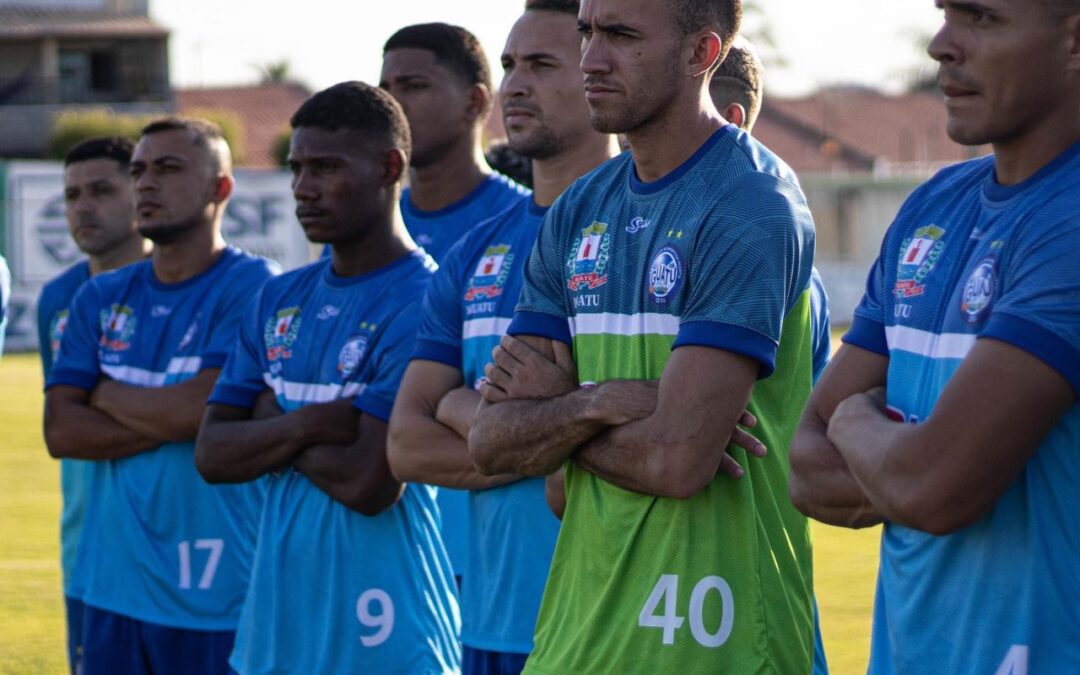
(945,472)
(432,417)
(679,448)
(169,413)
(75,430)
(236,445)
(821,484)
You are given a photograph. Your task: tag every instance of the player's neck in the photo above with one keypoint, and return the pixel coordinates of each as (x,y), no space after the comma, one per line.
(662,145)
(383,245)
(132,250)
(448,179)
(1019,159)
(177,261)
(553,175)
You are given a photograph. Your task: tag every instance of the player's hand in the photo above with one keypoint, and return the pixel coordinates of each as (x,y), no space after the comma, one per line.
(623,401)
(266,406)
(745,440)
(518,371)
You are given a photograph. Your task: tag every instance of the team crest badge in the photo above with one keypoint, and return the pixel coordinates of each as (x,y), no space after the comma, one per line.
(56,332)
(589,258)
(665,275)
(978,293)
(918,257)
(490,274)
(117,326)
(351,355)
(280,334)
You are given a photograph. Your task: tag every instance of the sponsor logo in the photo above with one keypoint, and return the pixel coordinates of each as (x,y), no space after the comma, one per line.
(117,327)
(351,355)
(56,332)
(189,336)
(280,333)
(589,257)
(978,293)
(327,312)
(637,225)
(158,311)
(918,257)
(588,300)
(491,274)
(665,275)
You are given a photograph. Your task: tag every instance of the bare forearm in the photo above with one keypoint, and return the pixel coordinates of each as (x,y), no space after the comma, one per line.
(171,413)
(356,477)
(821,484)
(532,437)
(77,431)
(868,449)
(242,450)
(424,450)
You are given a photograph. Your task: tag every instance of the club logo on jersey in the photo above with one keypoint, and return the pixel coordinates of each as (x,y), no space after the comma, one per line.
(978,293)
(56,332)
(117,326)
(637,225)
(589,256)
(665,274)
(351,355)
(918,257)
(491,274)
(280,334)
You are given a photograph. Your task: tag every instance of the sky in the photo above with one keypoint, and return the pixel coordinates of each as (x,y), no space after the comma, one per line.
(222,42)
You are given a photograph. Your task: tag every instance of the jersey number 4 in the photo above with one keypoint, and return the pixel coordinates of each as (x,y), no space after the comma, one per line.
(666,591)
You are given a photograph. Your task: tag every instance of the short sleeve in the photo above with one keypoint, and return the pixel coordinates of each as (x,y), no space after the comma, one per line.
(868,324)
(5,299)
(541,310)
(439,337)
(241,380)
(1039,307)
(747,266)
(386,366)
(242,286)
(821,324)
(78,364)
(44,320)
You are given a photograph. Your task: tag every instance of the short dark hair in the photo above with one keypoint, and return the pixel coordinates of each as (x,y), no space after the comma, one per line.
(739,79)
(116,148)
(205,134)
(359,106)
(564,6)
(724,15)
(1062,9)
(454,48)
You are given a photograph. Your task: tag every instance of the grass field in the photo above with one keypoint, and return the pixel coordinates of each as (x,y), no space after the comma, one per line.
(31,606)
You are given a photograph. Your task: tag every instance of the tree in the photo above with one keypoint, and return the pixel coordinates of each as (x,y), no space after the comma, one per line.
(274,72)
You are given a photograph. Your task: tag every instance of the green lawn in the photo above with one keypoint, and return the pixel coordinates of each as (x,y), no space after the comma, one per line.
(31,606)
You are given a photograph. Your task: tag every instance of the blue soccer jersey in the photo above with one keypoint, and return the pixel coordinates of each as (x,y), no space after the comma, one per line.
(437,231)
(968,259)
(333,591)
(75,475)
(159,544)
(5,298)
(512,532)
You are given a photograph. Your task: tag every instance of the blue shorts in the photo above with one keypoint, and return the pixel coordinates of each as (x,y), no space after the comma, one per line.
(483,662)
(114,644)
(74,610)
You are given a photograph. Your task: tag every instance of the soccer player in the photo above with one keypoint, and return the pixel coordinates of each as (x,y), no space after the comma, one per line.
(163,560)
(439,74)
(466,312)
(686,261)
(101,218)
(950,412)
(324,350)
(5,298)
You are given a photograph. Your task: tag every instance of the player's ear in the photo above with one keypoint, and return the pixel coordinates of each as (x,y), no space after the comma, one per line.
(223,188)
(735,113)
(706,52)
(396,165)
(1072,25)
(480,102)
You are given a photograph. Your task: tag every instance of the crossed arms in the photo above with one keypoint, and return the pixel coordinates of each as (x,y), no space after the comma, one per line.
(853,466)
(338,448)
(665,438)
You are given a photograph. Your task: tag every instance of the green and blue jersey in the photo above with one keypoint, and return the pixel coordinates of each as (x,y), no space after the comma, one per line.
(717,254)
(968,259)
